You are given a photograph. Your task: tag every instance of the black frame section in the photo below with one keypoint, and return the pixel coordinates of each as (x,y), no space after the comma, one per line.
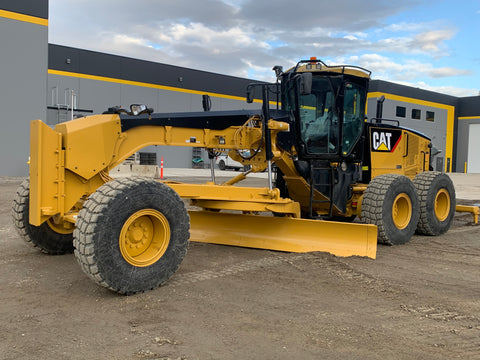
(214,120)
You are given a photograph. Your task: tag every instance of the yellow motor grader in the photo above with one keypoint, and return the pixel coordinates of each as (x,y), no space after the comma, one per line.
(326,166)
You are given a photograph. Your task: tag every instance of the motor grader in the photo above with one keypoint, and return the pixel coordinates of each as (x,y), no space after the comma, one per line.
(326,163)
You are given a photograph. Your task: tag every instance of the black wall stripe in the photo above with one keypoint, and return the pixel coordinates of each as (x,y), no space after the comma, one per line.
(37,8)
(70,59)
(411,92)
(469,106)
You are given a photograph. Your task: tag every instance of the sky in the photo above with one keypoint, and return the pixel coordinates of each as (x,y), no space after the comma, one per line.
(429,44)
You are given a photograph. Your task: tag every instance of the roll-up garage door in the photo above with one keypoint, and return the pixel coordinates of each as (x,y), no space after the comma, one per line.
(473,165)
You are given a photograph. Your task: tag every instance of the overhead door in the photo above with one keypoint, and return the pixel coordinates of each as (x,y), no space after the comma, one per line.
(473,165)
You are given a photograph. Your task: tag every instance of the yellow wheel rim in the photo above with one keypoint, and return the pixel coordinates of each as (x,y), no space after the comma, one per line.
(442,204)
(59,228)
(402,211)
(144,237)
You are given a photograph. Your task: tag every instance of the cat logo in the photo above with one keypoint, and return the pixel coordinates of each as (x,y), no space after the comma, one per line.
(384,140)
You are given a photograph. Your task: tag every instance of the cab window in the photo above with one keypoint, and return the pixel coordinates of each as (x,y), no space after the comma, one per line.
(353,115)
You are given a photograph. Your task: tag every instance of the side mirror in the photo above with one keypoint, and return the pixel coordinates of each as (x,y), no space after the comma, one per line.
(278,70)
(305,83)
(250,93)
(206,102)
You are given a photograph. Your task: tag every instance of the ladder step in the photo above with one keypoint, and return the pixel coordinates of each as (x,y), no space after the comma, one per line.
(327,171)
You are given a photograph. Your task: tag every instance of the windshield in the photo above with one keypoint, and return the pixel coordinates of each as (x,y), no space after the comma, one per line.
(320,118)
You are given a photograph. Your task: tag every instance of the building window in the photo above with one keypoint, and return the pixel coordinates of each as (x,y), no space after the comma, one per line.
(401,111)
(416,114)
(430,116)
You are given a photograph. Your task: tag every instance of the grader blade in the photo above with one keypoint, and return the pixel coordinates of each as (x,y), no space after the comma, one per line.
(283,233)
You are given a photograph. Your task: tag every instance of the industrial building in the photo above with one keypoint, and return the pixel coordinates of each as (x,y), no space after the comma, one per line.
(57,83)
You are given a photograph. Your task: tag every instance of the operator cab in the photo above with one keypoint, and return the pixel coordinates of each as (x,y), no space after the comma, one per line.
(326,106)
(329,107)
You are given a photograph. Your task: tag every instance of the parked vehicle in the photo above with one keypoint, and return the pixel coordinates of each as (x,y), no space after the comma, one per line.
(225,162)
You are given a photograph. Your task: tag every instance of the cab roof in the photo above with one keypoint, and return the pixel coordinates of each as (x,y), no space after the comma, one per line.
(313,65)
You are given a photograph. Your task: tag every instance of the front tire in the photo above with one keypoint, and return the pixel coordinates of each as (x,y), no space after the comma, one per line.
(436,195)
(49,238)
(132,234)
(391,202)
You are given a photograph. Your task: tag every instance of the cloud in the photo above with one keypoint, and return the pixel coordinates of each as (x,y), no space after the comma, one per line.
(405,27)
(444,89)
(433,41)
(250,27)
(444,72)
(386,68)
(247,37)
(306,15)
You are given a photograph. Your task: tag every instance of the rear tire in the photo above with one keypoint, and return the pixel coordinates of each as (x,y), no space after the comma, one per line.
(48,237)
(436,195)
(221,165)
(391,202)
(132,234)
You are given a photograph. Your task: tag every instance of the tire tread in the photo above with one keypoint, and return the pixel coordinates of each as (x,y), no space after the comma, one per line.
(423,183)
(91,220)
(41,237)
(372,205)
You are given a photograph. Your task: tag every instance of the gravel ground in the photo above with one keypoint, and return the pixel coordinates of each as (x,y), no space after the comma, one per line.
(416,301)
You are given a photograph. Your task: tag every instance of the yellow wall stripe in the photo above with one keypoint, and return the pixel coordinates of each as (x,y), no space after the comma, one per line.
(468,117)
(450,118)
(147,85)
(22,17)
